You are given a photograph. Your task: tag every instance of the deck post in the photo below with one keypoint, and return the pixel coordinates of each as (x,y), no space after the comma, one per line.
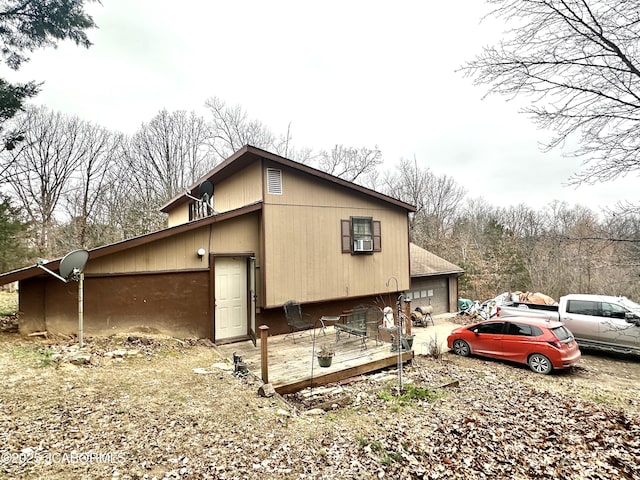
(407,312)
(264,352)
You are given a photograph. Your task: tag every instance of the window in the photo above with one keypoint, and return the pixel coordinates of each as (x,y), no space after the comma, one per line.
(360,235)
(522,329)
(562,333)
(274,181)
(493,327)
(612,310)
(583,307)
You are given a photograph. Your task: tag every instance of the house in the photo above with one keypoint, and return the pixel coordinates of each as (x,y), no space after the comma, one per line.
(434,281)
(271,230)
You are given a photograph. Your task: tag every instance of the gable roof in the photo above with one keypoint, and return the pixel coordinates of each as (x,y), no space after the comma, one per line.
(249,154)
(425,263)
(34,271)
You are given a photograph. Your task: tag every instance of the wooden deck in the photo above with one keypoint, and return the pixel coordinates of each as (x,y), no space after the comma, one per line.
(291,366)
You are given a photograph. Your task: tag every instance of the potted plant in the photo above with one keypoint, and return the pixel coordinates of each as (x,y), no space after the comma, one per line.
(407,341)
(325,355)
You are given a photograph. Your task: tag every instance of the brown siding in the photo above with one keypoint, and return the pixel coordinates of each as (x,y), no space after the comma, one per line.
(31,308)
(243,188)
(171,303)
(178,215)
(178,252)
(276,321)
(241,236)
(303,243)
(453,293)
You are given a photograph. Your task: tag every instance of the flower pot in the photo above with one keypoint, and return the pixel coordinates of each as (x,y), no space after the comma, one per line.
(325,361)
(407,342)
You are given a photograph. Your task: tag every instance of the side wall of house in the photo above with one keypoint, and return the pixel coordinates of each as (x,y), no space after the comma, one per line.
(178,215)
(31,305)
(275,319)
(303,243)
(242,188)
(159,287)
(178,252)
(453,293)
(241,235)
(163,303)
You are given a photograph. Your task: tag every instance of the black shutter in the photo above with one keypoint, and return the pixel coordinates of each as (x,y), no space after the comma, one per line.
(377,236)
(345,228)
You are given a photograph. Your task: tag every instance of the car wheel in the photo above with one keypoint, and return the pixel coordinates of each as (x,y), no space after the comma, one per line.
(460,347)
(540,364)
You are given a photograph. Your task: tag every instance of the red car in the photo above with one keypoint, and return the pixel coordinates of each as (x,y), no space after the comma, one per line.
(541,345)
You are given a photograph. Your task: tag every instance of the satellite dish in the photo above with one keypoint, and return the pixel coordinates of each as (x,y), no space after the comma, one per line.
(205,191)
(73,263)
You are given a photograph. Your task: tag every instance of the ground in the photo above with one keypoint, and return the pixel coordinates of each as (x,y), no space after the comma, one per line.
(156,407)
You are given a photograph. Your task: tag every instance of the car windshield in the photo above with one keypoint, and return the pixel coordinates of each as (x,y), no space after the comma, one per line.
(629,305)
(561,332)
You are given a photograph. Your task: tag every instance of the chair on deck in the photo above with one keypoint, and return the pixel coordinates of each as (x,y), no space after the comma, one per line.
(295,319)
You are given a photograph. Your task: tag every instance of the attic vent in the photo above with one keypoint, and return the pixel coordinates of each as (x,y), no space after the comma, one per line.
(274,181)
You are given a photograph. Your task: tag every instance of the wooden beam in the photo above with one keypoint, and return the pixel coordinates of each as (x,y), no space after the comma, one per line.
(336,376)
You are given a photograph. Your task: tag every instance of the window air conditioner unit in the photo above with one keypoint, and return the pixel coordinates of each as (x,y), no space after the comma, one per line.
(363,246)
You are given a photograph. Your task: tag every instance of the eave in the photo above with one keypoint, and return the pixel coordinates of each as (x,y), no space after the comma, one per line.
(34,271)
(249,154)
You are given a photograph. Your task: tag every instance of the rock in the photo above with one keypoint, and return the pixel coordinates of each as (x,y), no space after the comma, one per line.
(266,390)
(38,334)
(281,412)
(79,358)
(223,366)
(201,371)
(314,412)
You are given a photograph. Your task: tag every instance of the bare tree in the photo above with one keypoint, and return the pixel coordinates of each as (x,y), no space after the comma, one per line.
(167,154)
(349,163)
(129,207)
(231,129)
(578,62)
(437,200)
(39,173)
(85,194)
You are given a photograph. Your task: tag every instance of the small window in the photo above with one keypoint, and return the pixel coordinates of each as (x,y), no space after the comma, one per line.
(360,235)
(274,181)
(493,327)
(583,307)
(612,310)
(524,330)
(561,333)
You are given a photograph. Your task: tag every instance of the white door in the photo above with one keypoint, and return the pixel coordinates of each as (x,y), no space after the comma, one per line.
(230,297)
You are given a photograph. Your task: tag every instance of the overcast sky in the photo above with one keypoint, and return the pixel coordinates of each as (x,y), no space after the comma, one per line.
(357,73)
